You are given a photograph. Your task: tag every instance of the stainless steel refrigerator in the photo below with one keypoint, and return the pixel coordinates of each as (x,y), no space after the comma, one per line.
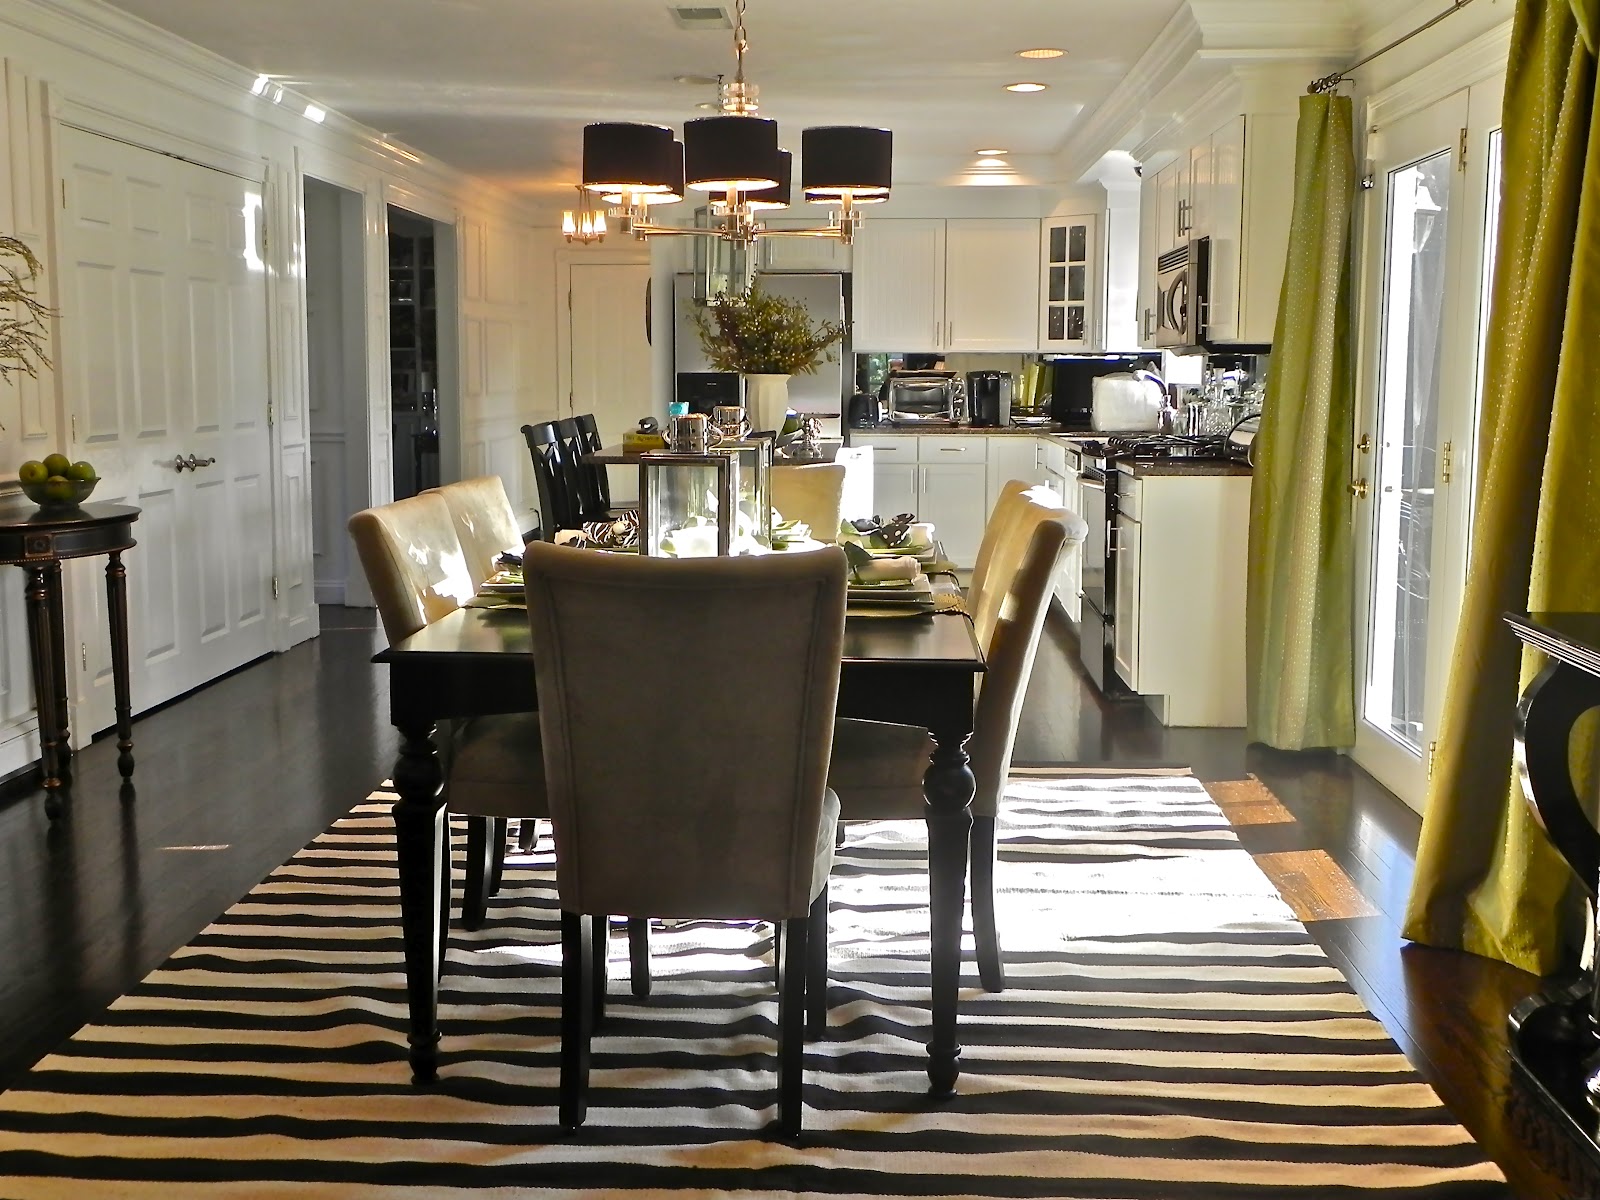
(822,294)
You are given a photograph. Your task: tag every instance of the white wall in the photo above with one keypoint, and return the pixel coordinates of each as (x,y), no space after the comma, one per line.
(80,62)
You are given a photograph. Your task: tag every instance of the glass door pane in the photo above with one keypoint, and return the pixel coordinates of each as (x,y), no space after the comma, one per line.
(1406,451)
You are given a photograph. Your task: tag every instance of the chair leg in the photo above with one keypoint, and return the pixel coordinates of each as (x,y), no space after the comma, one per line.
(791,1028)
(497,852)
(577,978)
(475,894)
(639,955)
(991,969)
(817,968)
(527,833)
(777,955)
(600,931)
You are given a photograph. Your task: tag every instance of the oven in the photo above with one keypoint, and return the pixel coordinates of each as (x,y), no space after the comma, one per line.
(1097,619)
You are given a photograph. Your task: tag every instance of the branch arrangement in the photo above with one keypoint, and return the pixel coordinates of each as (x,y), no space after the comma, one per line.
(22,316)
(759,334)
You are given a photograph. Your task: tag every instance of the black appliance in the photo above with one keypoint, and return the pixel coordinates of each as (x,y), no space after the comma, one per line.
(865,410)
(1071,383)
(989,398)
(704,390)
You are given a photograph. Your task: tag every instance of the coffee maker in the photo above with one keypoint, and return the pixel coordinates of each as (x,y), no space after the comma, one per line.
(989,398)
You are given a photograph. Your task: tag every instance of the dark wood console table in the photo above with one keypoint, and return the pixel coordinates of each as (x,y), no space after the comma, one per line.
(1555,1035)
(39,544)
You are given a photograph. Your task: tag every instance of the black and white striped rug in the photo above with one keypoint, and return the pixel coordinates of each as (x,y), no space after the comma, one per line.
(1169,1030)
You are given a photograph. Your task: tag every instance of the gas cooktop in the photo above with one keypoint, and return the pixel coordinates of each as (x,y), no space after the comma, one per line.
(1122,447)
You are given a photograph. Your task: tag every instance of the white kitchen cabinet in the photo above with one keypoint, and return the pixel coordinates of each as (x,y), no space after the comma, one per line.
(951,496)
(1071,285)
(1149,208)
(1010,457)
(802,253)
(932,285)
(894,488)
(1180,595)
(1125,636)
(898,286)
(1069,581)
(1249,202)
(990,285)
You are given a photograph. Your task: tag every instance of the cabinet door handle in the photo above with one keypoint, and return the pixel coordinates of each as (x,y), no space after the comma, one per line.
(949,334)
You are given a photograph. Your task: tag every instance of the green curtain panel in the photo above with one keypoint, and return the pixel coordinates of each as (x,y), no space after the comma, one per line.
(1300,646)
(1487,880)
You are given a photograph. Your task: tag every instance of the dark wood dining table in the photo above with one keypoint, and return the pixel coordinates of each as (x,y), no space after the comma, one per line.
(919,670)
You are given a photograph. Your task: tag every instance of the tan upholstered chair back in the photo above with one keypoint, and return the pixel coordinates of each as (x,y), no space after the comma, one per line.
(485,522)
(812,493)
(687,712)
(413,561)
(1027,539)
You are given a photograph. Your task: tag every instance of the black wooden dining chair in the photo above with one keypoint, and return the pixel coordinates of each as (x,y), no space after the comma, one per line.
(559,507)
(596,482)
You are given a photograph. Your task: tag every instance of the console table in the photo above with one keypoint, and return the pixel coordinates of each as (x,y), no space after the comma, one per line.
(39,544)
(1555,1035)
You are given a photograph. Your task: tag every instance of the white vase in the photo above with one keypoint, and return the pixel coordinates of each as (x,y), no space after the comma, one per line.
(766,400)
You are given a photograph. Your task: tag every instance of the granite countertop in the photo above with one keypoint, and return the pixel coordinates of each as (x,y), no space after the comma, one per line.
(981,430)
(1179,466)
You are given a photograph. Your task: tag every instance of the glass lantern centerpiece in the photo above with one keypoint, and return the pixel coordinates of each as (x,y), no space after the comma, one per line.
(688,504)
(753,490)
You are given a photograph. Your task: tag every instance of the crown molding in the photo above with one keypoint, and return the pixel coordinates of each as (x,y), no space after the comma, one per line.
(1211,50)
(110,36)
(1484,57)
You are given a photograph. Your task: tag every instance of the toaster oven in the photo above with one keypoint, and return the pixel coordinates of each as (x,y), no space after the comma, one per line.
(923,397)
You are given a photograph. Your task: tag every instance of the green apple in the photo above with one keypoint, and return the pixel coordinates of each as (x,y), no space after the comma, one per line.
(33,471)
(57,464)
(60,488)
(83,471)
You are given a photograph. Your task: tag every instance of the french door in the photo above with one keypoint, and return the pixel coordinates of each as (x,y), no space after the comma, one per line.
(1429,235)
(165,320)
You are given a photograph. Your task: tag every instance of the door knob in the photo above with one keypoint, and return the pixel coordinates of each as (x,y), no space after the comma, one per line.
(191,463)
(1358,489)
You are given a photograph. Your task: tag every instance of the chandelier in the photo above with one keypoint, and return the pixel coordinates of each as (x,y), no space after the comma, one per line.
(584,225)
(735,157)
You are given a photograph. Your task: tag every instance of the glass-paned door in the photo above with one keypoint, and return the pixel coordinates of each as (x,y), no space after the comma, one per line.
(1428,221)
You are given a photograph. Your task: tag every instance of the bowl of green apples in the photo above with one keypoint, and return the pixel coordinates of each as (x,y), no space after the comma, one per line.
(57,484)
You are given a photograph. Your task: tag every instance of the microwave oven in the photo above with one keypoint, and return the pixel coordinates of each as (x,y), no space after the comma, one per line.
(923,397)
(1183,280)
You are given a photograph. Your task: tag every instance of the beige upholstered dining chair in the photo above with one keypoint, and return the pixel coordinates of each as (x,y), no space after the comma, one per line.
(418,572)
(690,781)
(877,768)
(813,493)
(486,524)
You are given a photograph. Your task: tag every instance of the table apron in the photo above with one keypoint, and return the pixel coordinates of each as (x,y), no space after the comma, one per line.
(422,692)
(940,700)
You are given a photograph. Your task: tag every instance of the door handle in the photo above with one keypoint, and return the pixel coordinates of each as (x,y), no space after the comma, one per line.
(1358,489)
(191,463)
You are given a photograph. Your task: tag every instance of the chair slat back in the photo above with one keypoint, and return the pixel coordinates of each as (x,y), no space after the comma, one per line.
(557,509)
(599,481)
(687,712)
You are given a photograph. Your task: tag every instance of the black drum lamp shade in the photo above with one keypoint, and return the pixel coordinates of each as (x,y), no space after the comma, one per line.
(846,160)
(778,196)
(624,156)
(730,152)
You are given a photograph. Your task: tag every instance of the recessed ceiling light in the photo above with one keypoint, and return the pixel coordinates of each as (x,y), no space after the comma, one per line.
(991,162)
(1041,52)
(695,80)
(991,153)
(1026,87)
(709,104)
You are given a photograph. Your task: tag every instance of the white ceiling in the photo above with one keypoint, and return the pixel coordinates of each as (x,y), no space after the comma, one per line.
(502,88)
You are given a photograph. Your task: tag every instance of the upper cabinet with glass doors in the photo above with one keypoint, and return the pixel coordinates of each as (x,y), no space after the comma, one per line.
(1070,284)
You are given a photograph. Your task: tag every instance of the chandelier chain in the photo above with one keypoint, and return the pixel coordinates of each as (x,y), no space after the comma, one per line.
(740,41)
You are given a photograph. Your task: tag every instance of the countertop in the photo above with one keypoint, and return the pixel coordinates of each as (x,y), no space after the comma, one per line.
(1178,466)
(981,430)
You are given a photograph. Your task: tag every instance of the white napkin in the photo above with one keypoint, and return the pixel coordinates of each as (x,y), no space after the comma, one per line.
(887,570)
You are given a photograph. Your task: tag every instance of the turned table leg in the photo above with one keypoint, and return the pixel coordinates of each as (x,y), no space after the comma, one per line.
(421,845)
(117,614)
(58,642)
(44,651)
(949,786)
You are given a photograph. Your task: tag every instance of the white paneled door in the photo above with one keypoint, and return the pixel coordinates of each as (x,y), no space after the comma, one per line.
(164,300)
(609,344)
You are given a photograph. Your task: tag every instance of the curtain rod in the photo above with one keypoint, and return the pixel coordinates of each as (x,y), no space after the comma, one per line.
(1329,82)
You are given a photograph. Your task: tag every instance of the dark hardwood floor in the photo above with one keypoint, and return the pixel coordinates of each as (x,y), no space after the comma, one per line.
(235,777)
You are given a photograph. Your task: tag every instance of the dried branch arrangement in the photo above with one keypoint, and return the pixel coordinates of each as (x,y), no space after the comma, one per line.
(22,316)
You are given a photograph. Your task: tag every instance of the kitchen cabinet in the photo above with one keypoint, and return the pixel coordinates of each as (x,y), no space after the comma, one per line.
(991,289)
(894,490)
(1148,224)
(1069,581)
(1071,287)
(898,286)
(951,495)
(801,253)
(1179,594)
(933,285)
(1011,457)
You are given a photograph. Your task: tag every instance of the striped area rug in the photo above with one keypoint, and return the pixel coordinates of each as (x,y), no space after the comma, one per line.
(1169,1030)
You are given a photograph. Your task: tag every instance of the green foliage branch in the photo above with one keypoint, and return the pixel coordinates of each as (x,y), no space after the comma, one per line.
(755,333)
(22,316)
